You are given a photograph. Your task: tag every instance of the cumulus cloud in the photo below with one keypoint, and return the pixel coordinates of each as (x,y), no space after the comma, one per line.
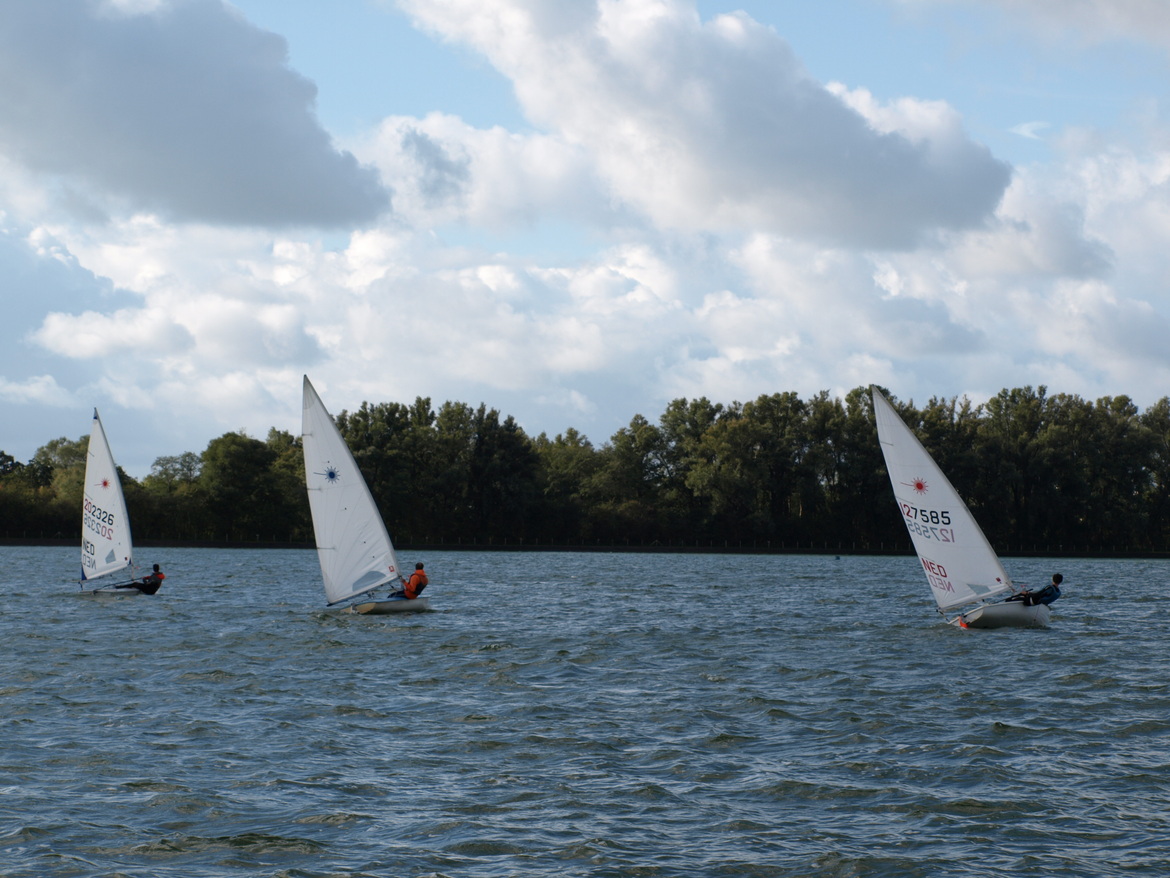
(40,389)
(444,170)
(1037,235)
(1090,21)
(92,335)
(717,124)
(178,107)
(746,230)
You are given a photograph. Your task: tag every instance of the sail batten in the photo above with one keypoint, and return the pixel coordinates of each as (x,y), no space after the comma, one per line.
(960,564)
(106,545)
(353,546)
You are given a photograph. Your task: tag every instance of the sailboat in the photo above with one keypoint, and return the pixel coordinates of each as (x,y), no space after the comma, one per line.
(960,564)
(106,547)
(353,546)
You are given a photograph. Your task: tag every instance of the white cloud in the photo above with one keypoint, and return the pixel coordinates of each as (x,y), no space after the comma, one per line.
(392,315)
(717,125)
(91,335)
(1030,130)
(740,229)
(1039,234)
(41,389)
(1089,20)
(443,170)
(177,107)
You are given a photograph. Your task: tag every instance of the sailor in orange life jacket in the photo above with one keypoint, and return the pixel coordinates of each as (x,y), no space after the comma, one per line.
(412,588)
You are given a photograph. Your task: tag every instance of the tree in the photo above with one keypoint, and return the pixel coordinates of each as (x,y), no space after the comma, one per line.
(288,480)
(65,458)
(1155,422)
(449,490)
(1038,471)
(683,428)
(244,501)
(169,473)
(8,464)
(567,462)
(1120,462)
(727,475)
(503,476)
(780,422)
(1014,472)
(625,490)
(820,477)
(862,513)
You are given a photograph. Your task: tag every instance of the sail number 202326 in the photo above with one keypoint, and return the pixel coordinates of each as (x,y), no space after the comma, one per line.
(98,520)
(930,524)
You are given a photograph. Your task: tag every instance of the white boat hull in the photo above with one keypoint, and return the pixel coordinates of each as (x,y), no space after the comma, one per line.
(1009,614)
(378,608)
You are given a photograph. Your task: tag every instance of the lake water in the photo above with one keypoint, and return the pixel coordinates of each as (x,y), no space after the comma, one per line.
(580,715)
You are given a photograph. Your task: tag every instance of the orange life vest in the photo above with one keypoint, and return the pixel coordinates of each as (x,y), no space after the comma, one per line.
(413,587)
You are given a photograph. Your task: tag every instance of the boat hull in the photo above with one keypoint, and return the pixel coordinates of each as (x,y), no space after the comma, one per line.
(379,608)
(1009,614)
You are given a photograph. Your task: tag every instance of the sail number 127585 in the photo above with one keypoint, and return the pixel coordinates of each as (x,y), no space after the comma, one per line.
(926,516)
(929,524)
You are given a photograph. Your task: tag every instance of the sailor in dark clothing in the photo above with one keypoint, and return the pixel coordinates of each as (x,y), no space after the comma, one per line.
(149,584)
(1046,595)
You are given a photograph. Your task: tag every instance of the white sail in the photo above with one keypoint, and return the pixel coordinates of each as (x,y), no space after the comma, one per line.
(959,563)
(105,526)
(352,544)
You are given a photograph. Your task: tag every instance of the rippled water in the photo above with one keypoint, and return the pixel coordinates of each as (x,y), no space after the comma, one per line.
(579,714)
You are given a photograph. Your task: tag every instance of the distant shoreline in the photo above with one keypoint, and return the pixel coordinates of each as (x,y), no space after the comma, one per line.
(521,546)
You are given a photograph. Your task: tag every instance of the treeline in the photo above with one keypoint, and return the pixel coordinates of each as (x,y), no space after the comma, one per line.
(1040,472)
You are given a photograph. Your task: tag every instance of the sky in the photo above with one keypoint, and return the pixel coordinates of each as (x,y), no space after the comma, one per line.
(573,212)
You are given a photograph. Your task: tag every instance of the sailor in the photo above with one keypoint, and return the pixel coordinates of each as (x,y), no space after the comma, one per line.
(149,583)
(412,588)
(1046,595)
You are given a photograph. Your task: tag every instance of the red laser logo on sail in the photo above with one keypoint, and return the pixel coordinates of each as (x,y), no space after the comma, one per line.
(919,485)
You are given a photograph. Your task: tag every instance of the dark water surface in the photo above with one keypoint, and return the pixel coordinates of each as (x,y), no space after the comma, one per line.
(581,715)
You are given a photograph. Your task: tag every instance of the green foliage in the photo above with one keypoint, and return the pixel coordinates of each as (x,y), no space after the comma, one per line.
(169,475)
(247,489)
(567,464)
(1047,472)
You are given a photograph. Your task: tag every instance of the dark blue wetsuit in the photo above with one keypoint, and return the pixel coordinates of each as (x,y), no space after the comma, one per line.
(1046,595)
